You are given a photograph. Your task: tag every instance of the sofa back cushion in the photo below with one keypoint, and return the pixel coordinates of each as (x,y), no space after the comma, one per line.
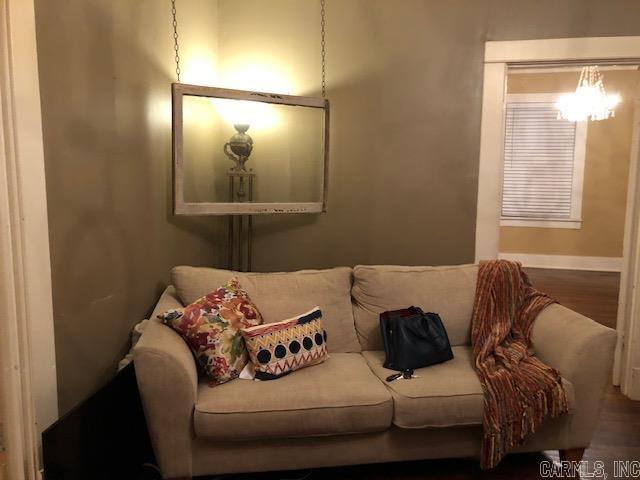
(283,295)
(448,291)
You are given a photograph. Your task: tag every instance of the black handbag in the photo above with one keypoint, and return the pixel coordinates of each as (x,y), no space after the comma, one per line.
(413,339)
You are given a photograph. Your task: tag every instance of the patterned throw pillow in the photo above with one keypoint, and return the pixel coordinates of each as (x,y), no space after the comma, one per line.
(277,349)
(211,327)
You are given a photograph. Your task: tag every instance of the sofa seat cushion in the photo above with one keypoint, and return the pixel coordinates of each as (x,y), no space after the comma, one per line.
(444,395)
(339,396)
(284,295)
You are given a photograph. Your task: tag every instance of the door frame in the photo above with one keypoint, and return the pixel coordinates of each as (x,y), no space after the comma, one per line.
(27,348)
(498,56)
(627,349)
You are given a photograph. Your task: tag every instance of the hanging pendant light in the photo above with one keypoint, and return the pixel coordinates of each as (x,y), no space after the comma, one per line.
(590,100)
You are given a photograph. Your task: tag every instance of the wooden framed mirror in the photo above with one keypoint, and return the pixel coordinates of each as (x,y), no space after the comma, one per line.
(238,152)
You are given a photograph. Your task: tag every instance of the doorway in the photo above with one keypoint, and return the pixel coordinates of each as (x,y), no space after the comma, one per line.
(547,245)
(565,186)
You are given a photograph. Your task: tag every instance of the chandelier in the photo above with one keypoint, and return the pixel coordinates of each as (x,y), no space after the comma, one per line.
(589,101)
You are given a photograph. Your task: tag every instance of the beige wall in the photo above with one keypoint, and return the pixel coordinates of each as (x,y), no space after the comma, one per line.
(405,82)
(105,73)
(605,177)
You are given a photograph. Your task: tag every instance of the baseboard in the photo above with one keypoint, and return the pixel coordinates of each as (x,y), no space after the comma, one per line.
(566,262)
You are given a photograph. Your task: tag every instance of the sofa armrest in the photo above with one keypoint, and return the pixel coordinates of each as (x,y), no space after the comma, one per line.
(582,351)
(168,383)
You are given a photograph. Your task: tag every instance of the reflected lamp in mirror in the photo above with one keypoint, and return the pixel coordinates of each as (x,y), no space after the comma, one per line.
(238,152)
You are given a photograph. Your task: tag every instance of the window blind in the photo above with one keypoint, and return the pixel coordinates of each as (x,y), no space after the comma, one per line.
(539,155)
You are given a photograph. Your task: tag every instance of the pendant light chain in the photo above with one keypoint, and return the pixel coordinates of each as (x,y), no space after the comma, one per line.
(176,47)
(323,48)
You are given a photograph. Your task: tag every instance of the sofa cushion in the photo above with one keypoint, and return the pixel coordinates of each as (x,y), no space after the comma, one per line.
(339,396)
(447,291)
(279,348)
(443,395)
(284,295)
(211,327)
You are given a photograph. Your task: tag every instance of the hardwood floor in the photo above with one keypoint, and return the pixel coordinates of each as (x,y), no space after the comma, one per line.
(617,437)
(618,434)
(593,294)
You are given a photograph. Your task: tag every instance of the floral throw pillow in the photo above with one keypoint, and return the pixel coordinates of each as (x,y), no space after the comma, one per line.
(277,349)
(211,327)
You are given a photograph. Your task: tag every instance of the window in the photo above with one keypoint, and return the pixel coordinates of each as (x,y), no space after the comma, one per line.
(543,164)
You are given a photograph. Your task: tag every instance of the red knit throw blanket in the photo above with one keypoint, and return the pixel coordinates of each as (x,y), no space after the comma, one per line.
(519,390)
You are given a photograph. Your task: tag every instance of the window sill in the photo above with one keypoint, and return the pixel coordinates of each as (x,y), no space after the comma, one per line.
(539,223)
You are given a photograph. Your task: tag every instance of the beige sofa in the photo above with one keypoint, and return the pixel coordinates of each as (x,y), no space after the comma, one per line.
(342,412)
